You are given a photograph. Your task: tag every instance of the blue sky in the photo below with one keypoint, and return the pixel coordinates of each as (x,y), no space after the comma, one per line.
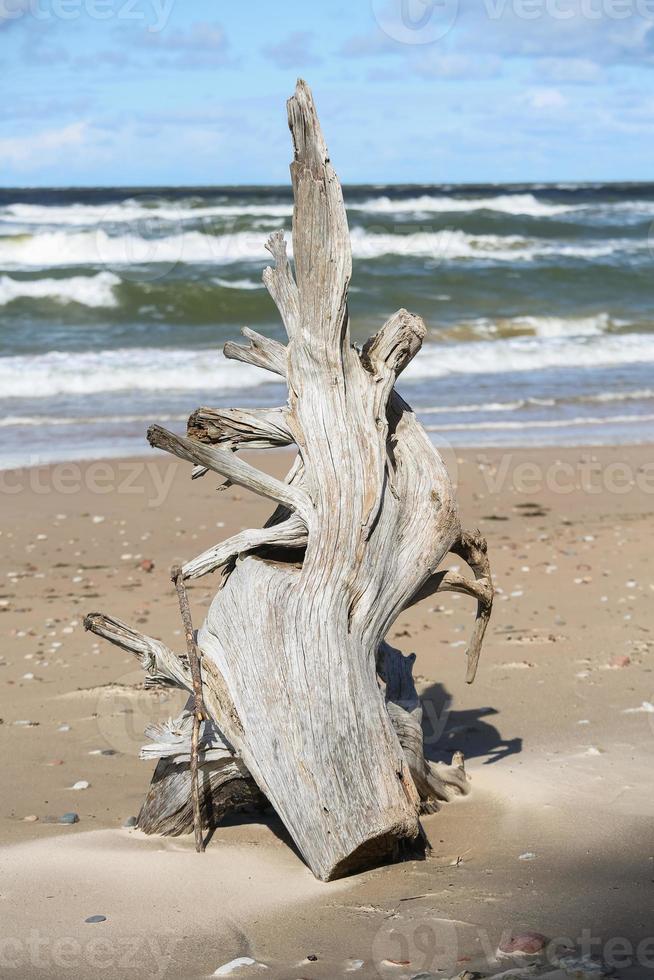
(192,92)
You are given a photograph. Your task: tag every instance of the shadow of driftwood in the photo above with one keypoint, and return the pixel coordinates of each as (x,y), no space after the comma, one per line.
(446,730)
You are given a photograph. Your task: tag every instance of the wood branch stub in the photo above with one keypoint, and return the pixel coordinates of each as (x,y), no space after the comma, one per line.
(233,428)
(474,551)
(262,352)
(281,285)
(227,464)
(390,350)
(163,667)
(291,533)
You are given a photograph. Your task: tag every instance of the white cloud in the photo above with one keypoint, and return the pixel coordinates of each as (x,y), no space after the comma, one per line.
(28,152)
(544,99)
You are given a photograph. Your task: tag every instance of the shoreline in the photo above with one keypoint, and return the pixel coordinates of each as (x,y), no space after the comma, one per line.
(555,730)
(121,453)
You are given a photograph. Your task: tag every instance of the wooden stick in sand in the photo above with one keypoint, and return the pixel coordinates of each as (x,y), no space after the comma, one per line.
(199,712)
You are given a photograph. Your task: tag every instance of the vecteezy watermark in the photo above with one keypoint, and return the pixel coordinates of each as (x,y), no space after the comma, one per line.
(155,14)
(426,21)
(563,476)
(421,941)
(145,955)
(134,477)
(415,21)
(569,9)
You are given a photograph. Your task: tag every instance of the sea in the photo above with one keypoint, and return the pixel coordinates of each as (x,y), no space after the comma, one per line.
(115,304)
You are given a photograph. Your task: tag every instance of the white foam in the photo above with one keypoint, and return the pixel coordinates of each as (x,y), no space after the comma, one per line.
(237,283)
(544,326)
(454,244)
(143,369)
(123,369)
(45,421)
(517,204)
(132,211)
(523,424)
(58,248)
(642,394)
(85,215)
(552,326)
(530,354)
(95,291)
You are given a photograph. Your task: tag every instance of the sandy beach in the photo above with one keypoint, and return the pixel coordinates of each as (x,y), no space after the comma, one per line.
(557,731)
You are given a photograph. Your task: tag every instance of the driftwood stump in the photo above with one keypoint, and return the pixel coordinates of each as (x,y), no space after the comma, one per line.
(309,708)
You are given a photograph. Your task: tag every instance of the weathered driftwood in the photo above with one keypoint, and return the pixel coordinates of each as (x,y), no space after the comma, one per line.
(314,710)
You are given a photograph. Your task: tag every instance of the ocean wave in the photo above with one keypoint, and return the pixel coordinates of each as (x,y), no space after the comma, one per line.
(537,326)
(452,245)
(122,369)
(156,369)
(95,291)
(154,213)
(530,354)
(57,248)
(238,283)
(89,215)
(643,394)
(581,420)
(517,204)
(44,421)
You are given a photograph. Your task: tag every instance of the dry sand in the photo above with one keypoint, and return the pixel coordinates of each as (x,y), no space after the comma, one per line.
(558,736)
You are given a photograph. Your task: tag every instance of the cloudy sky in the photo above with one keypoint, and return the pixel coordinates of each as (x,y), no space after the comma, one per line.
(106,92)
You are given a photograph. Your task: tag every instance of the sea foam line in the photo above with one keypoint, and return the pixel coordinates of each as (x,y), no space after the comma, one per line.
(57,248)
(152,369)
(131,210)
(94,291)
(541,423)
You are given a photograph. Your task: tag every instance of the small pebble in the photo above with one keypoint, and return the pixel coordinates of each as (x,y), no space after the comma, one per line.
(96,918)
(130,822)
(81,784)
(527,856)
(31,818)
(621,660)
(69,818)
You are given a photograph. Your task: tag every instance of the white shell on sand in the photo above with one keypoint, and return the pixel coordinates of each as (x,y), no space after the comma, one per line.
(234,966)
